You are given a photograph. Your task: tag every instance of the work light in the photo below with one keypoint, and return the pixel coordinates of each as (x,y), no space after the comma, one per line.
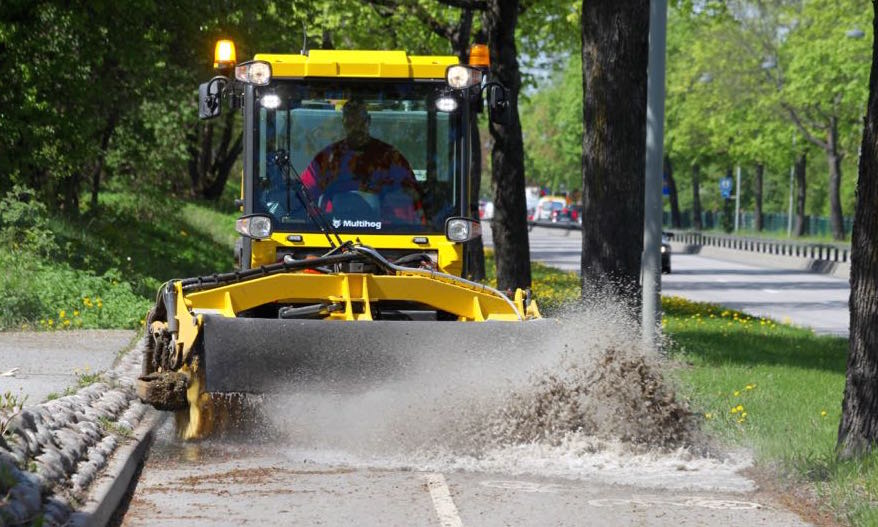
(254,72)
(462,229)
(460,77)
(254,226)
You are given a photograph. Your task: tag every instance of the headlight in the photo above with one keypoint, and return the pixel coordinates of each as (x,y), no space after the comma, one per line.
(462,229)
(446,104)
(258,73)
(258,227)
(460,77)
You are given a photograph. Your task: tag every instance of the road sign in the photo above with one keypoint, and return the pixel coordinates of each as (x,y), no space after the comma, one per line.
(725,187)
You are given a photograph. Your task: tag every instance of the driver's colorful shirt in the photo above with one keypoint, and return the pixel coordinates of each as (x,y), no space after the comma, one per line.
(376,167)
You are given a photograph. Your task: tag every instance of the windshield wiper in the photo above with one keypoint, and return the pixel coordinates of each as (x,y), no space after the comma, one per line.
(282,160)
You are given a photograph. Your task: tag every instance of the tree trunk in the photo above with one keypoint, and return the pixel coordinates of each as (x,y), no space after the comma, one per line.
(672,193)
(70,186)
(801,192)
(99,165)
(858,429)
(757,213)
(696,199)
(509,224)
(209,166)
(728,209)
(614,60)
(834,158)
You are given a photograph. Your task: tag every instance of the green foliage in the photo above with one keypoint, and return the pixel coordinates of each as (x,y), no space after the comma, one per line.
(114,428)
(738,72)
(24,223)
(552,130)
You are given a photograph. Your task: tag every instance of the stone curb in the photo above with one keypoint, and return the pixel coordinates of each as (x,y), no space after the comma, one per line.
(107,492)
(55,451)
(836,269)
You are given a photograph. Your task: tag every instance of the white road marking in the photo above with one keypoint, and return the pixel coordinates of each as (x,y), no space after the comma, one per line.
(772,291)
(10,373)
(445,508)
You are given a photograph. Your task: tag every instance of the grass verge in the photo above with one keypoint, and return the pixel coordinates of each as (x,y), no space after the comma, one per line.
(770,387)
(102,270)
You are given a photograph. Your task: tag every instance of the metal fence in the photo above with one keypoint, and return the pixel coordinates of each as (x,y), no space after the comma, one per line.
(830,252)
(816,251)
(771,222)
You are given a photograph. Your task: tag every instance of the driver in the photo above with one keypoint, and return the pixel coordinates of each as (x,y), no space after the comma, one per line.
(363,164)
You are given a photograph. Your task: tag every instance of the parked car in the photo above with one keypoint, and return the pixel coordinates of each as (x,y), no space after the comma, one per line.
(547,206)
(666,252)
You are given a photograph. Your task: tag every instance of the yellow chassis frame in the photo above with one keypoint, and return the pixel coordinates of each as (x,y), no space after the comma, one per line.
(468,301)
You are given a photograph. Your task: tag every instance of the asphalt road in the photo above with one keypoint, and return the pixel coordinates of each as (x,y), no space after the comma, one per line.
(807,299)
(39,363)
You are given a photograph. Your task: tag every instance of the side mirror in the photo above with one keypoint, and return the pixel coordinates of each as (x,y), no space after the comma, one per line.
(498,104)
(210,99)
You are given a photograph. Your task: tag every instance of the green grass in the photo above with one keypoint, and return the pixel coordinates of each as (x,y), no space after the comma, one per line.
(103,270)
(551,288)
(763,385)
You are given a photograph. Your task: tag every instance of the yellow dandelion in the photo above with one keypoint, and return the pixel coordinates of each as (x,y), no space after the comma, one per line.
(734,410)
(743,415)
(50,322)
(737,393)
(749,387)
(99,303)
(708,415)
(62,314)
(75,312)
(66,322)
(823,413)
(183,233)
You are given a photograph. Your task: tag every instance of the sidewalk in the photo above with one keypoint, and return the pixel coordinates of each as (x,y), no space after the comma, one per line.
(40,363)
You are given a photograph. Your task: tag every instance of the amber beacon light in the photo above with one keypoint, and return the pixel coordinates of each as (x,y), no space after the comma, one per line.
(224,54)
(479,56)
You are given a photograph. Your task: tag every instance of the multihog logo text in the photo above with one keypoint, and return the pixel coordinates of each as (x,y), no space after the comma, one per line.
(357,224)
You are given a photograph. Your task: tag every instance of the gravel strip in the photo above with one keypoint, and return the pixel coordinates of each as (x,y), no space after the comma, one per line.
(53,451)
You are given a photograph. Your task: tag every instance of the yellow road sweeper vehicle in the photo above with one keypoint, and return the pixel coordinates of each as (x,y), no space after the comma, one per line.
(356,205)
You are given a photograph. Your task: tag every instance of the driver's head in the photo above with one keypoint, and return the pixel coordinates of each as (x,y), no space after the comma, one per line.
(355,119)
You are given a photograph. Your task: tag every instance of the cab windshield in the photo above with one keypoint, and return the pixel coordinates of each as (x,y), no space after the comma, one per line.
(372,156)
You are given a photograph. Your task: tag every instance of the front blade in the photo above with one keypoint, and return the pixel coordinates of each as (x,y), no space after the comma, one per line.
(269,355)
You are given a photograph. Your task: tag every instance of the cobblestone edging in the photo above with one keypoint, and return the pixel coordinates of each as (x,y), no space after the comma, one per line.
(55,450)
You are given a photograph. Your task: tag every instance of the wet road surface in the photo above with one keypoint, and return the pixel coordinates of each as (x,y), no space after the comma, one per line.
(214,483)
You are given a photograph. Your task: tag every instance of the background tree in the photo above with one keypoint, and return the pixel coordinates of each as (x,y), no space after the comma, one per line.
(858,430)
(614,61)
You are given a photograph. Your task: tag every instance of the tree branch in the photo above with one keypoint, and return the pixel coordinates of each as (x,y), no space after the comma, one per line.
(443,30)
(478,5)
(801,127)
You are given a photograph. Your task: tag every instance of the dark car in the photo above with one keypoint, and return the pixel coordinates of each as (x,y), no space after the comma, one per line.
(666,252)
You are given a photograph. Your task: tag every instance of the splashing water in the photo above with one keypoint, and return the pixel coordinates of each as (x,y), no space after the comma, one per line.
(580,401)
